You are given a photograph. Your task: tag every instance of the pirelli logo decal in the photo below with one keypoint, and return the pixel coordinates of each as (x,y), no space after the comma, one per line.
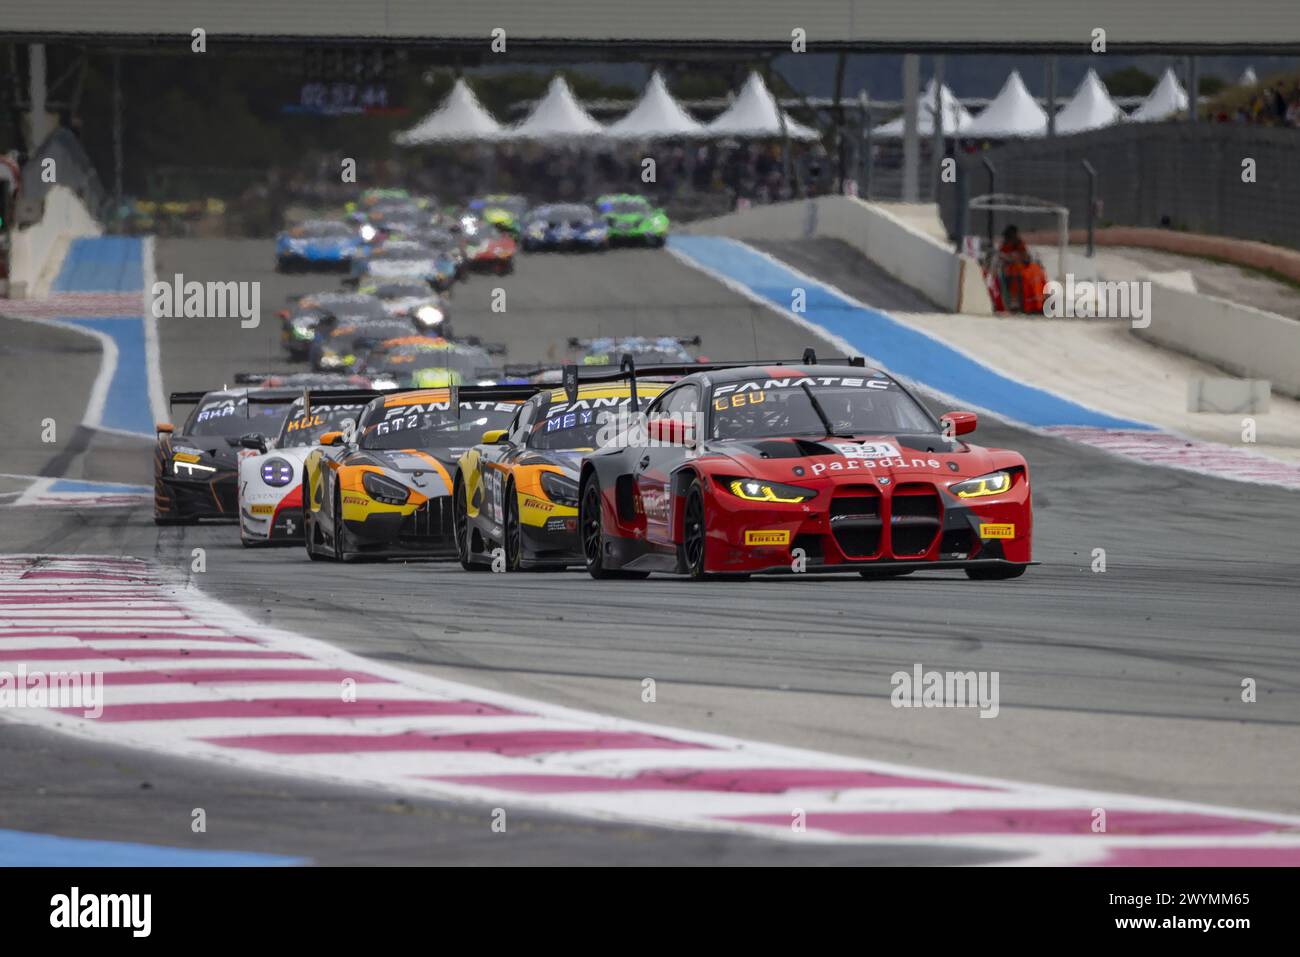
(263,509)
(997,531)
(768,537)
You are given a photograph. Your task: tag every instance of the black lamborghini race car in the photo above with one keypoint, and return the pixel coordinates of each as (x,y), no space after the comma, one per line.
(196,467)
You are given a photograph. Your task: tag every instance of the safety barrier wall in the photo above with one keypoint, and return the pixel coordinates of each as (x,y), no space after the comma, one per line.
(31,263)
(952,282)
(1242,340)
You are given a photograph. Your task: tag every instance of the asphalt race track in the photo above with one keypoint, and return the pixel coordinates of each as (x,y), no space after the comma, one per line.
(1125,681)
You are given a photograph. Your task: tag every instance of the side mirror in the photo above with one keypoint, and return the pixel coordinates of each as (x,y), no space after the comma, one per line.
(332,438)
(495,436)
(670,431)
(253,441)
(165,427)
(958,423)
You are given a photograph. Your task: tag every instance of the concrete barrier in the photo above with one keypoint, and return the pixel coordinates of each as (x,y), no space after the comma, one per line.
(1242,340)
(1240,252)
(951,281)
(38,249)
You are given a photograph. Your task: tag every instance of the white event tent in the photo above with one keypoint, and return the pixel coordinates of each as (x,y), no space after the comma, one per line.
(1164,102)
(1090,108)
(556,116)
(1012,113)
(755,114)
(459,118)
(956,118)
(656,116)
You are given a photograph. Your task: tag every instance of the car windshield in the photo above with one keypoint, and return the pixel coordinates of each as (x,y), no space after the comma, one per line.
(232,417)
(394,251)
(348,312)
(370,333)
(303,428)
(334,298)
(628,206)
(606,351)
(564,214)
(853,405)
(511,204)
(321,229)
(402,290)
(434,425)
(409,359)
(585,424)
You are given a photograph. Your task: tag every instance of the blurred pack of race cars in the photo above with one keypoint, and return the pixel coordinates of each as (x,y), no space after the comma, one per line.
(635,456)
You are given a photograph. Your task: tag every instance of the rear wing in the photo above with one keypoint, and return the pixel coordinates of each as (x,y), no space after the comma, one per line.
(574,376)
(186,398)
(466,393)
(491,348)
(283,397)
(280,396)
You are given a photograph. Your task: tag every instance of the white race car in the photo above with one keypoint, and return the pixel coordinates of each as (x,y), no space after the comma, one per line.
(270,480)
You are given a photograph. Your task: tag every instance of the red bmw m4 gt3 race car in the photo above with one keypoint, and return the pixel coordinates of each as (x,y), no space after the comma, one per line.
(826,468)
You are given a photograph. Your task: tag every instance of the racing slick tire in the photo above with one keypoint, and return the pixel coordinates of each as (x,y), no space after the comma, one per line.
(694,535)
(512,535)
(591,528)
(997,573)
(309,528)
(460,526)
(339,555)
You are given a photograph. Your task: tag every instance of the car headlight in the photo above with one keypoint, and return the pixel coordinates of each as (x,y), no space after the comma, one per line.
(304,328)
(560,489)
(995,483)
(368,233)
(657,224)
(277,473)
(331,360)
(429,315)
(756,490)
(383,383)
(537,230)
(190,469)
(385,490)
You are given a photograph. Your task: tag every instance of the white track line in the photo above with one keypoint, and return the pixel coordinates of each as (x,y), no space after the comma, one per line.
(236,724)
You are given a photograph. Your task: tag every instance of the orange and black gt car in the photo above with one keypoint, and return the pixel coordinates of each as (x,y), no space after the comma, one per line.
(385,489)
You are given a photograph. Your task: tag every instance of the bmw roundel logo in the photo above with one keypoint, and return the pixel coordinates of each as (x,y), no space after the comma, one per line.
(883,481)
(798,470)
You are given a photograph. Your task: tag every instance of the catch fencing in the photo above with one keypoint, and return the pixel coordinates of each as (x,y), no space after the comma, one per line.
(1220,179)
